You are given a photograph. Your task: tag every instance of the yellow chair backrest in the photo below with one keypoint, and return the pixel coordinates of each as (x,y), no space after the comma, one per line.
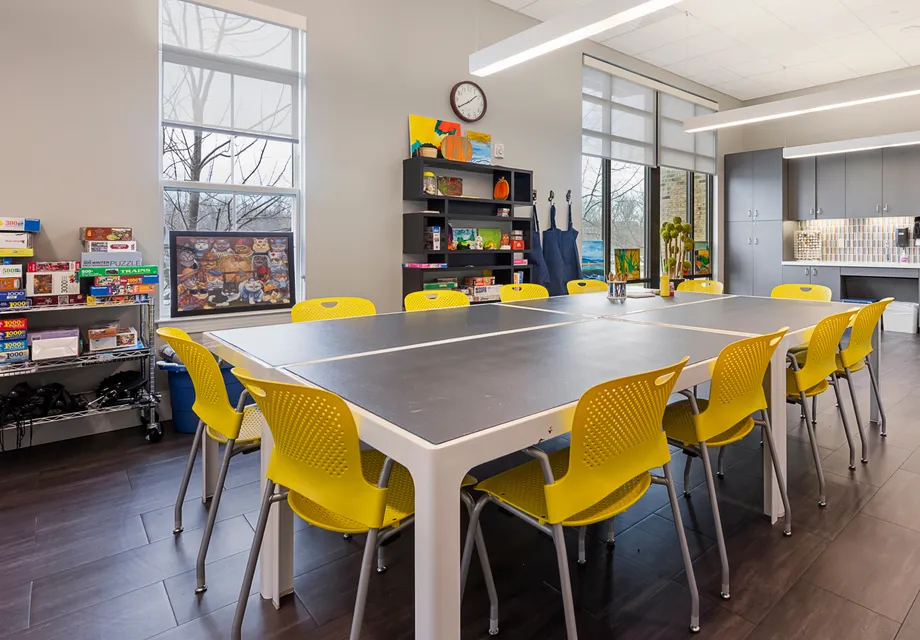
(517,292)
(212,404)
(860,344)
(331,309)
(802,292)
(425,300)
(821,358)
(586,286)
(701,286)
(737,384)
(616,435)
(316,452)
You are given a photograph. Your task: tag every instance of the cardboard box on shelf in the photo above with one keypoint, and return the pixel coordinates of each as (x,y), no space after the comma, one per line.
(15,304)
(10,357)
(111,259)
(129,270)
(104,246)
(50,344)
(31,225)
(122,290)
(105,233)
(16,295)
(14,323)
(14,345)
(51,283)
(58,301)
(10,270)
(59,265)
(108,281)
(8,284)
(15,240)
(13,334)
(124,338)
(142,298)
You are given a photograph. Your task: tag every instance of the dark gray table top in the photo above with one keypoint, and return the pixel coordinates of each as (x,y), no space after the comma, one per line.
(597,305)
(282,344)
(744,314)
(443,392)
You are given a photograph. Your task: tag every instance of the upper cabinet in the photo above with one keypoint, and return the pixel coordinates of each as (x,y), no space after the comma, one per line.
(769,182)
(739,177)
(801,193)
(901,181)
(864,184)
(831,186)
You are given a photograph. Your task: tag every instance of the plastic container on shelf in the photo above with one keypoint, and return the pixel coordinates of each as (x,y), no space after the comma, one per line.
(182,394)
(901,317)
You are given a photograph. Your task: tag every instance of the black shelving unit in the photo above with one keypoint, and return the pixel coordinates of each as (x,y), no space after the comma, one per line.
(458,211)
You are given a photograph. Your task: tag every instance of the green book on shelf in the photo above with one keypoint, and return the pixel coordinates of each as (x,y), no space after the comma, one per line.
(96,272)
(439,285)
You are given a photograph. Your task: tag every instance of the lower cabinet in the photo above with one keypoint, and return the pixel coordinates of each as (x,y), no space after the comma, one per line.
(825,276)
(753,257)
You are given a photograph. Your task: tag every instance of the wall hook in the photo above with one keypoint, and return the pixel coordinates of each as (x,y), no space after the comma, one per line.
(534,195)
(552,196)
(568,195)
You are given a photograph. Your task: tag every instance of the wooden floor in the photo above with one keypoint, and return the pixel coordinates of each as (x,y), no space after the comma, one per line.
(87,551)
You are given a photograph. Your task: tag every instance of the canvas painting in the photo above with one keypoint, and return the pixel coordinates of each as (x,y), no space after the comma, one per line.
(703,266)
(491,238)
(482,147)
(429,132)
(628,261)
(592,260)
(230,271)
(463,237)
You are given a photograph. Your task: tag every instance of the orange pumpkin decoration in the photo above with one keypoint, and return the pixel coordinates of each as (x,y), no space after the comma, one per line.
(456,147)
(502,189)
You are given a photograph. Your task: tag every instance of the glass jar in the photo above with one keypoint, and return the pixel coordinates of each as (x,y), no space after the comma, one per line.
(429,184)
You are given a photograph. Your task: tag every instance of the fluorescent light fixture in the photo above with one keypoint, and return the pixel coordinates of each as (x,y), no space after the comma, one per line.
(563,30)
(859,144)
(878,91)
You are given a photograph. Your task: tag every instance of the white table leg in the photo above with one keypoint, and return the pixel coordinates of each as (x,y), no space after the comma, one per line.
(875,358)
(210,465)
(277,555)
(437,548)
(775,387)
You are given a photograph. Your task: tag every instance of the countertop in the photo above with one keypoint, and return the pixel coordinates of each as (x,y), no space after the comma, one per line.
(822,263)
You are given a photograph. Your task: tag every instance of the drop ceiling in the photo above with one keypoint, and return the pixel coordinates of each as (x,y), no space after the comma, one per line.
(754,48)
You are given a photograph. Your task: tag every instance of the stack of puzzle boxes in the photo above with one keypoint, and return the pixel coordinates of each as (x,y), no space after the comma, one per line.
(16,241)
(112,270)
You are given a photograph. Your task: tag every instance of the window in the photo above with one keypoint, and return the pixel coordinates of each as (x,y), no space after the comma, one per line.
(232,109)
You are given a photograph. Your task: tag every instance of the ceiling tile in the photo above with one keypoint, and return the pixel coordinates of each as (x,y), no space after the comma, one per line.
(799,11)
(743,89)
(794,57)
(716,13)
(789,79)
(826,71)
(515,5)
(658,34)
(880,13)
(865,54)
(545,9)
(699,70)
(904,39)
(688,48)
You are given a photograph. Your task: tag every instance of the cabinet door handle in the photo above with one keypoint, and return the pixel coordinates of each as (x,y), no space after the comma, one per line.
(819,211)
(885,208)
(749,241)
(756,213)
(750,213)
(814,272)
(756,240)
(878,208)
(811,212)
(807,271)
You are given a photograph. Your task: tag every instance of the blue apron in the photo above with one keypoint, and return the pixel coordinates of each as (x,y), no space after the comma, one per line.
(570,260)
(552,254)
(538,274)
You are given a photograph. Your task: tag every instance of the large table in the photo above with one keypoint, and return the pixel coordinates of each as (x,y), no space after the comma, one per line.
(446,390)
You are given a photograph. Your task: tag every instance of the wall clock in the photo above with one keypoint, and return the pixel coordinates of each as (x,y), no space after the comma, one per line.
(468,101)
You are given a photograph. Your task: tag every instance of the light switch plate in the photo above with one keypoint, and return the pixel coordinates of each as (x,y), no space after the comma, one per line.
(499,151)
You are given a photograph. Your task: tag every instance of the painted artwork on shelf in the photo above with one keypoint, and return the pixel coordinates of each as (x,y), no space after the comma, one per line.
(482,147)
(426,135)
(701,260)
(628,261)
(592,259)
(230,271)
(491,238)
(463,237)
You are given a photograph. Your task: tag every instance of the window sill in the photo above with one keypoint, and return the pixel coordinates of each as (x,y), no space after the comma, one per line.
(201,324)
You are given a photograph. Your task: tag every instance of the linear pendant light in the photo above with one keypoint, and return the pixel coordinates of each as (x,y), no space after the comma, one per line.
(851,96)
(581,23)
(859,144)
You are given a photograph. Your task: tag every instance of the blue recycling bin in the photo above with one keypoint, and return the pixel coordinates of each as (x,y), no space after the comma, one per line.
(182,394)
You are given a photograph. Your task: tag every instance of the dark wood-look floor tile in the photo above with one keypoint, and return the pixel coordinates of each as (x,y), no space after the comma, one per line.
(903,428)
(873,563)
(96,582)
(845,498)
(696,511)
(653,500)
(665,616)
(798,459)
(898,501)
(808,612)
(764,566)
(912,464)
(133,616)
(884,460)
(829,430)
(908,632)
(14,607)
(315,547)
(234,502)
(224,579)
(252,517)
(56,494)
(262,622)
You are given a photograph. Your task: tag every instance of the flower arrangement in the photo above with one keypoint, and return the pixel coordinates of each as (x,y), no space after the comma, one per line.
(676,244)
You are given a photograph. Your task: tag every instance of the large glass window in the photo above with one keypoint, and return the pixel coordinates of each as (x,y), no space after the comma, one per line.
(592,218)
(232,91)
(628,219)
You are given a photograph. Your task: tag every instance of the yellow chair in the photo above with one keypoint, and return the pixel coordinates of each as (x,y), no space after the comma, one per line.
(238,429)
(810,374)
(856,357)
(701,286)
(736,394)
(586,286)
(426,300)
(518,292)
(334,485)
(616,439)
(802,292)
(331,309)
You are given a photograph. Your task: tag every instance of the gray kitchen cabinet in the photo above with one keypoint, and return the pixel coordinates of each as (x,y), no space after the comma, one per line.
(796,274)
(769,182)
(828,277)
(901,181)
(801,188)
(739,257)
(831,186)
(767,256)
(864,184)
(739,192)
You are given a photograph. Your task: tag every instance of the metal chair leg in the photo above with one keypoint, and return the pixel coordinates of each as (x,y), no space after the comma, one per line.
(814,411)
(611,529)
(687,463)
(859,421)
(367,562)
(212,517)
(767,429)
(582,534)
(381,559)
(720,536)
(183,488)
(684,552)
(813,440)
(475,512)
(237,630)
(846,423)
(878,399)
(721,466)
(568,601)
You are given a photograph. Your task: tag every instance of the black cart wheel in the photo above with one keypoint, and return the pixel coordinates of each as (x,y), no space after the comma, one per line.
(154,432)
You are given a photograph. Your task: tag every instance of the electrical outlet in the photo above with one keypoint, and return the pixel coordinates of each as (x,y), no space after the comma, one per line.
(499,151)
